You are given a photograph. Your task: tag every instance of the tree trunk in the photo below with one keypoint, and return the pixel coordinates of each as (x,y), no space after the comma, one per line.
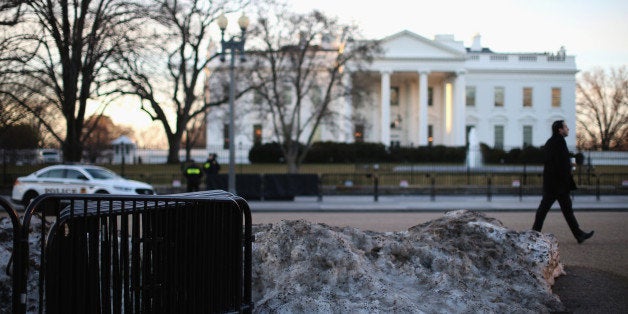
(173,149)
(291,157)
(188,147)
(72,146)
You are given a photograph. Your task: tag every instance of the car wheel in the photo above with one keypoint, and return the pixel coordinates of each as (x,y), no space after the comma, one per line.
(28,197)
(101,192)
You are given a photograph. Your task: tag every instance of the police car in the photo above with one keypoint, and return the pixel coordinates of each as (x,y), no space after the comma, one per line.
(73,179)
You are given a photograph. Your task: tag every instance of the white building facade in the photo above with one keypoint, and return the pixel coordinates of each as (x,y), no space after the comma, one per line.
(432,92)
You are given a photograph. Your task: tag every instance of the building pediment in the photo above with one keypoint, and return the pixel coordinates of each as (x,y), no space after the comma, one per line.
(408,45)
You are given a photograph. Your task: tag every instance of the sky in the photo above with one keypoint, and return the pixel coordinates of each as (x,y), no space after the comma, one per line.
(595,31)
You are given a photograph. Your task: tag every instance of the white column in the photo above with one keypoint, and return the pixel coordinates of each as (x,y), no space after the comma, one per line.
(348,111)
(423,108)
(385,109)
(459,113)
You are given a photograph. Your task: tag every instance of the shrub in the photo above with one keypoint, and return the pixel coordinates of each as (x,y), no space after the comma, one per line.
(527,155)
(266,153)
(333,152)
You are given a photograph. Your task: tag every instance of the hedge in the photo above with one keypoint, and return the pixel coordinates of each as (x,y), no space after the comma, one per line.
(334,152)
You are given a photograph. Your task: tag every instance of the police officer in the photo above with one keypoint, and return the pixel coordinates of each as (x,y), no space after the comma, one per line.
(210,168)
(193,176)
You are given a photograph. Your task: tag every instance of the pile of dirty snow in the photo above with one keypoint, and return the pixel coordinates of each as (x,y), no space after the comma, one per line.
(461,262)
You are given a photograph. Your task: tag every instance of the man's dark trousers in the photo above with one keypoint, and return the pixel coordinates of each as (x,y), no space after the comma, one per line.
(564,200)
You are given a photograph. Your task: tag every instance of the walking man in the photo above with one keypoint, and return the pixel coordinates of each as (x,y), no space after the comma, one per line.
(558,182)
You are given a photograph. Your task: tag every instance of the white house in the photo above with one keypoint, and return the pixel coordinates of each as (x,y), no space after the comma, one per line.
(432,91)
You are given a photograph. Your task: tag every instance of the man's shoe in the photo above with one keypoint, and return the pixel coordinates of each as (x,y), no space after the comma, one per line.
(584,236)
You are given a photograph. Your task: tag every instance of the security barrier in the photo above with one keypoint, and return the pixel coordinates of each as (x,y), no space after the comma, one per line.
(270,186)
(183,253)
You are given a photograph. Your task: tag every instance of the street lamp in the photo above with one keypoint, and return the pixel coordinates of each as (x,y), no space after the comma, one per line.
(233,45)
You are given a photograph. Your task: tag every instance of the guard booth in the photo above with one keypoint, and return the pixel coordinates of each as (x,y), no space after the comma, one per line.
(124,151)
(182,253)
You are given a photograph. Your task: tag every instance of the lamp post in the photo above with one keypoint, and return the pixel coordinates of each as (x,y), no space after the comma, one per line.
(233,45)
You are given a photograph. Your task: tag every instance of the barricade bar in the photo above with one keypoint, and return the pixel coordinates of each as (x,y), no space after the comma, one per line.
(129,254)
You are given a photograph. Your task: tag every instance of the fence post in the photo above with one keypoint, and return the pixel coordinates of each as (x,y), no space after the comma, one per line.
(320,188)
(5,179)
(375,187)
(262,187)
(521,187)
(488,188)
(597,188)
(433,188)
(589,168)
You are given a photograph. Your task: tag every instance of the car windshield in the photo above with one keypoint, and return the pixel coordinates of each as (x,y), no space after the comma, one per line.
(102,174)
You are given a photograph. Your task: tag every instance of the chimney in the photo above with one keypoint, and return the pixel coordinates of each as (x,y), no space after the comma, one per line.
(476,46)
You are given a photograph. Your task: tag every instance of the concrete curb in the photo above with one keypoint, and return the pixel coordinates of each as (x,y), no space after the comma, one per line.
(425,204)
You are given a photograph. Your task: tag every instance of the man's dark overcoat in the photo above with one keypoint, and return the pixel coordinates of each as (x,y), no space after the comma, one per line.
(557,176)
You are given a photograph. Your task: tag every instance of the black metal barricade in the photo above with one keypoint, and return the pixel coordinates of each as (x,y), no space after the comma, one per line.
(183,253)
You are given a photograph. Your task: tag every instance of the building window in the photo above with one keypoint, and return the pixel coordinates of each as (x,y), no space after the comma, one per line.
(499,137)
(470,96)
(499,96)
(527,96)
(556,97)
(358,135)
(316,96)
(396,122)
(286,95)
(225,136)
(430,96)
(257,134)
(394,96)
(258,99)
(430,135)
(527,135)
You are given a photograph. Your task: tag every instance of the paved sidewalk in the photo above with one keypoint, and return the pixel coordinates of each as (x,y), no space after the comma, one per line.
(439,204)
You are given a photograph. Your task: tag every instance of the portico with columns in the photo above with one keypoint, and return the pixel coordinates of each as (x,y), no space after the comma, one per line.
(421,94)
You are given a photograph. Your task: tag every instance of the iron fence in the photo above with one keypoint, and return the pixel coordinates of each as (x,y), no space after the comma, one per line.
(187,253)
(470,183)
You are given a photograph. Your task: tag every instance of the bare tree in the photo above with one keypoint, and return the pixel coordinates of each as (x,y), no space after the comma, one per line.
(18,103)
(169,77)
(602,108)
(302,69)
(61,60)
(11,11)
